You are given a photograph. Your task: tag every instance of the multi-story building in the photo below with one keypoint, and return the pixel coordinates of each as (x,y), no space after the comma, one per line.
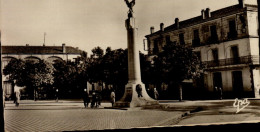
(48,53)
(226,40)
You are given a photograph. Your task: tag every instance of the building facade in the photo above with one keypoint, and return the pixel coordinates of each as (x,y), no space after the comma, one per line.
(48,53)
(226,40)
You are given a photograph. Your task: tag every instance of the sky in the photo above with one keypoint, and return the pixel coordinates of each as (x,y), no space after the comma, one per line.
(90,23)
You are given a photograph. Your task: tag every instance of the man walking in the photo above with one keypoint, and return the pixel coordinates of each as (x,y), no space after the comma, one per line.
(156,94)
(86,98)
(17,97)
(139,90)
(220,93)
(113,97)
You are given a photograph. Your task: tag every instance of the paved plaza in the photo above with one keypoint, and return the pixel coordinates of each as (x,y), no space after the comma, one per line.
(72,116)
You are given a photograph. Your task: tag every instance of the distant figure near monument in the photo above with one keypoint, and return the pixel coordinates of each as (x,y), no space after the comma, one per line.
(139,90)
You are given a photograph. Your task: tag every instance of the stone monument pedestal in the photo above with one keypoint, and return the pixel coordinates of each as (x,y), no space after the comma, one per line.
(130,97)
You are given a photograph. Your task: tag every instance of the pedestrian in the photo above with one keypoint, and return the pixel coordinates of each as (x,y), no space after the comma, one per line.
(94,98)
(113,98)
(139,90)
(216,96)
(3,98)
(220,93)
(98,99)
(156,94)
(17,97)
(86,98)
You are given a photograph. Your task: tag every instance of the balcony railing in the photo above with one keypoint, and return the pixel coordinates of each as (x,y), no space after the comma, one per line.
(252,60)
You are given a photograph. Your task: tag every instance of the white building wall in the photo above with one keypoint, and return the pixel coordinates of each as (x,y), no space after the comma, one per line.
(209,81)
(224,49)
(252,18)
(246,79)
(256,76)
(254,46)
(227,80)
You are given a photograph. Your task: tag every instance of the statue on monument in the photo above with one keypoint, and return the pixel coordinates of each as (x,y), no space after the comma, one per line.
(130,5)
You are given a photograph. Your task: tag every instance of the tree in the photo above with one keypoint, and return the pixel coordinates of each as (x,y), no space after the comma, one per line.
(39,74)
(65,78)
(31,74)
(97,52)
(175,63)
(15,70)
(109,68)
(95,68)
(115,68)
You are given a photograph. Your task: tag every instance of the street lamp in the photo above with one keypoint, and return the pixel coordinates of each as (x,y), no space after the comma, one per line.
(57,99)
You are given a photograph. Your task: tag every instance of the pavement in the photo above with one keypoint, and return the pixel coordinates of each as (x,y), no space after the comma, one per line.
(70,115)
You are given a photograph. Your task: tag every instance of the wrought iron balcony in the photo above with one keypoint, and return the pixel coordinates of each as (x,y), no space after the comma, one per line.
(250,60)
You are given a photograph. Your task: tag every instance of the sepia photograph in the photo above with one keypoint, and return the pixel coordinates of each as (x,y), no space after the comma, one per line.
(129,65)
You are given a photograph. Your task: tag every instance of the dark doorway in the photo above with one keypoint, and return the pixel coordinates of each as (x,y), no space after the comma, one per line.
(237,82)
(217,84)
(217,80)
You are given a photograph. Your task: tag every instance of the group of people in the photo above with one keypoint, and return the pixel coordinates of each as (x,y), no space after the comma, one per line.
(219,92)
(95,101)
(139,92)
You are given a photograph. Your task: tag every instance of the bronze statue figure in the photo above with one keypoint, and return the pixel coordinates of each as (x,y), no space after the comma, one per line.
(130,5)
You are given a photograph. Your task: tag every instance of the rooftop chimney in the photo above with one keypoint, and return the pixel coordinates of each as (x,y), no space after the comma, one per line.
(203,14)
(63,48)
(177,23)
(241,3)
(162,27)
(207,13)
(152,30)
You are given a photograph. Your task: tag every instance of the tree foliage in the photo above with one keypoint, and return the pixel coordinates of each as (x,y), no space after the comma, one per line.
(70,78)
(29,73)
(177,62)
(39,73)
(15,70)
